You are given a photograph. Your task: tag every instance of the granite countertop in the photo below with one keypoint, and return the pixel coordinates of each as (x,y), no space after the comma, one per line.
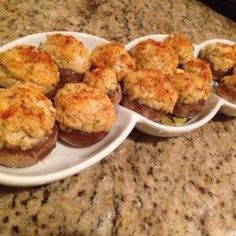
(149,185)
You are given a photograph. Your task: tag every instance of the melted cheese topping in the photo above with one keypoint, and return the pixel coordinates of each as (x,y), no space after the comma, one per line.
(221,55)
(115,56)
(67,52)
(27,65)
(150,54)
(151,88)
(103,79)
(198,67)
(182,45)
(190,87)
(83,108)
(26,116)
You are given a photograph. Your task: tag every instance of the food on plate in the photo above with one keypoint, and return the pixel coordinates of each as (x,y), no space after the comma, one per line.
(193,91)
(198,67)
(85,115)
(71,56)
(227,88)
(25,64)
(115,56)
(149,93)
(173,120)
(105,80)
(27,132)
(182,45)
(150,54)
(221,57)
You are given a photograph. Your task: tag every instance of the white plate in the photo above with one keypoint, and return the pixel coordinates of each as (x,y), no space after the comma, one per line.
(214,104)
(65,161)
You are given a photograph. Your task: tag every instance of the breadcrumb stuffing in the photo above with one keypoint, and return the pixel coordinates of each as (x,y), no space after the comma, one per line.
(151,88)
(150,54)
(67,52)
(115,56)
(83,108)
(182,45)
(26,116)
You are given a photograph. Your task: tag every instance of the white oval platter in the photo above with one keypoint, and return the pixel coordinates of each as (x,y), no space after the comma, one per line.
(65,161)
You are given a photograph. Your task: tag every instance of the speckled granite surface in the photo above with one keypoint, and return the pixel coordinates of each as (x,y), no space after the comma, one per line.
(148,186)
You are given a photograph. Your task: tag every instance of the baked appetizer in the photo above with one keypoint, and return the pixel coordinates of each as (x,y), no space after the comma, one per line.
(27,131)
(198,67)
(104,79)
(182,45)
(221,57)
(71,56)
(27,65)
(192,90)
(149,93)
(115,56)
(227,88)
(85,115)
(150,54)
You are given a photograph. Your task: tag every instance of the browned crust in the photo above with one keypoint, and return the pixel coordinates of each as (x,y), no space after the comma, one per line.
(188,110)
(81,139)
(143,110)
(15,157)
(226,92)
(218,74)
(115,95)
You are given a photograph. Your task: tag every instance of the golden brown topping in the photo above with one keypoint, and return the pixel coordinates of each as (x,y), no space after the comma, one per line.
(229,81)
(199,67)
(190,87)
(103,79)
(182,46)
(67,52)
(222,56)
(26,116)
(27,65)
(115,56)
(83,108)
(151,88)
(150,54)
